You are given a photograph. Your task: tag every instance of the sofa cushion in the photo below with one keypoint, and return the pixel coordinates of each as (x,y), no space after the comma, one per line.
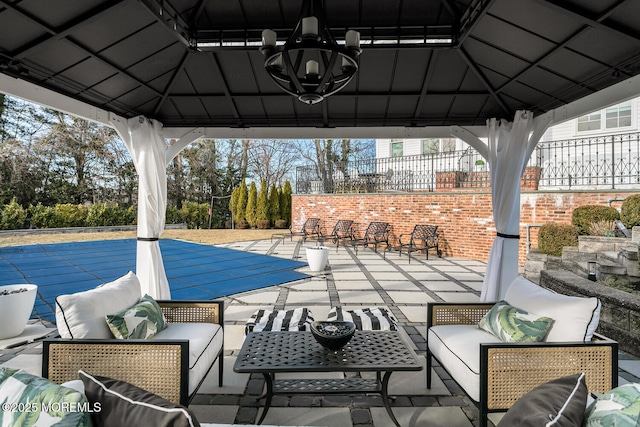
(81,315)
(459,346)
(123,404)
(575,318)
(142,321)
(205,343)
(619,407)
(29,400)
(366,319)
(511,324)
(559,402)
(299,319)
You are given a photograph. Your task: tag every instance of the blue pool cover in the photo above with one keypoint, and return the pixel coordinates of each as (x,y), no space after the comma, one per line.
(194,271)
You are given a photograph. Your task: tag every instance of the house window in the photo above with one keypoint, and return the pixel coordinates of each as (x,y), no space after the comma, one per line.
(396,147)
(619,115)
(430,146)
(589,122)
(448,145)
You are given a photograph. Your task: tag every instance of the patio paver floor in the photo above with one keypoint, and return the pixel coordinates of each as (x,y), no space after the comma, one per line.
(350,280)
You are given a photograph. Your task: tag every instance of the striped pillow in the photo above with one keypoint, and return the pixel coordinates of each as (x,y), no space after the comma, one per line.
(299,319)
(366,319)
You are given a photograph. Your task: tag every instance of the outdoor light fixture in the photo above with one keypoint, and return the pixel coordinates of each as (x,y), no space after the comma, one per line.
(311,65)
(591,267)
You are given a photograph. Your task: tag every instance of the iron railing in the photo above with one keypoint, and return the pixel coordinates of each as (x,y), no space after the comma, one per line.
(601,162)
(584,163)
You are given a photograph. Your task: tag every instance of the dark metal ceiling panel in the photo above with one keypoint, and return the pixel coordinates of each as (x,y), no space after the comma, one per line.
(537,19)
(376,71)
(402,106)
(607,48)
(346,106)
(574,66)
(59,57)
(492,31)
(115,86)
(88,73)
(104,32)
(54,13)
(466,107)
(447,73)
(237,71)
(16,31)
(411,69)
(126,57)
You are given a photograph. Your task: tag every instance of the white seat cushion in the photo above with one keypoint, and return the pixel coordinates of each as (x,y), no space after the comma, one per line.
(575,318)
(205,341)
(457,347)
(82,315)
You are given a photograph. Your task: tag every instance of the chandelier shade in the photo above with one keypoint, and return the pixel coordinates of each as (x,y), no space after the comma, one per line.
(311,65)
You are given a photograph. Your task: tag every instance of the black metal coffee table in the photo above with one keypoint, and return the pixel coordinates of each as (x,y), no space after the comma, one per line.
(270,353)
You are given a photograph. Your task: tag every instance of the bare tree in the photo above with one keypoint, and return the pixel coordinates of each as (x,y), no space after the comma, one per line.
(272,160)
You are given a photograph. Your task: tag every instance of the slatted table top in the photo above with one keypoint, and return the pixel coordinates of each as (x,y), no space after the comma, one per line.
(272,352)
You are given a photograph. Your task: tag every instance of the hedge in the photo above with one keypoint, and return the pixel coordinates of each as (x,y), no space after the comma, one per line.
(583,216)
(553,237)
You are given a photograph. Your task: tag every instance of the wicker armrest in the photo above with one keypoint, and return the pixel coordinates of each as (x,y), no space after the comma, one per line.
(158,366)
(193,311)
(508,370)
(455,313)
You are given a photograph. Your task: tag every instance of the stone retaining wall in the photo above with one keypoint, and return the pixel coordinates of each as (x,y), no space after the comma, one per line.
(620,314)
(64,230)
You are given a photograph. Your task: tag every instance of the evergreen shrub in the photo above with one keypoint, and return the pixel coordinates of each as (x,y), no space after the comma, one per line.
(553,237)
(12,216)
(583,216)
(630,211)
(195,214)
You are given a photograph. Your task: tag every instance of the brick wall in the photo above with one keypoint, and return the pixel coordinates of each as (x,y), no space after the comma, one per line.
(464,218)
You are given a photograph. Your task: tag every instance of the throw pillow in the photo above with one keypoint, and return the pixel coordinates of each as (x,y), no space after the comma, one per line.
(511,324)
(123,404)
(142,321)
(619,407)
(560,403)
(29,400)
(575,318)
(81,315)
(366,319)
(299,319)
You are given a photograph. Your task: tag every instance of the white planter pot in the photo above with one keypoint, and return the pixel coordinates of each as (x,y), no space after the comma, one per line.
(15,309)
(317,257)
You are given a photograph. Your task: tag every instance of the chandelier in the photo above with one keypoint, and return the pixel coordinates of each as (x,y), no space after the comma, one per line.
(311,65)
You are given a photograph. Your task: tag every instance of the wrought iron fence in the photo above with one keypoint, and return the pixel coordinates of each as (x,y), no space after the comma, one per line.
(610,161)
(585,163)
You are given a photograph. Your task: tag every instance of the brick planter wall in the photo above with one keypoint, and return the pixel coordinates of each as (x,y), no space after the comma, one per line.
(465,218)
(620,313)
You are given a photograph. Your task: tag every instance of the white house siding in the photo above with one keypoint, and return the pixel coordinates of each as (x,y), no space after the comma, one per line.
(569,129)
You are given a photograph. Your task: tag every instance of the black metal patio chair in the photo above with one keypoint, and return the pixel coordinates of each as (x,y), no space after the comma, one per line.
(422,238)
(342,231)
(377,232)
(311,227)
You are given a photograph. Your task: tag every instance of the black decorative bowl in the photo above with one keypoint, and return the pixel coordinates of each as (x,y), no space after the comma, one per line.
(332,335)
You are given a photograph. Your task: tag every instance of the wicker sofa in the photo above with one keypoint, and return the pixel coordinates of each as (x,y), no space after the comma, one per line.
(495,374)
(173,364)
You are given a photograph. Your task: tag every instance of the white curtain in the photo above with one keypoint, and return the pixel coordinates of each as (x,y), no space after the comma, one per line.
(143,138)
(509,151)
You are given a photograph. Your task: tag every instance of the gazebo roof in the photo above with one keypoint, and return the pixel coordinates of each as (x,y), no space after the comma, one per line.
(484,58)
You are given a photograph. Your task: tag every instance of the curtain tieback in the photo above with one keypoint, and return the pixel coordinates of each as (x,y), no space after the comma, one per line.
(508,236)
(147,239)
